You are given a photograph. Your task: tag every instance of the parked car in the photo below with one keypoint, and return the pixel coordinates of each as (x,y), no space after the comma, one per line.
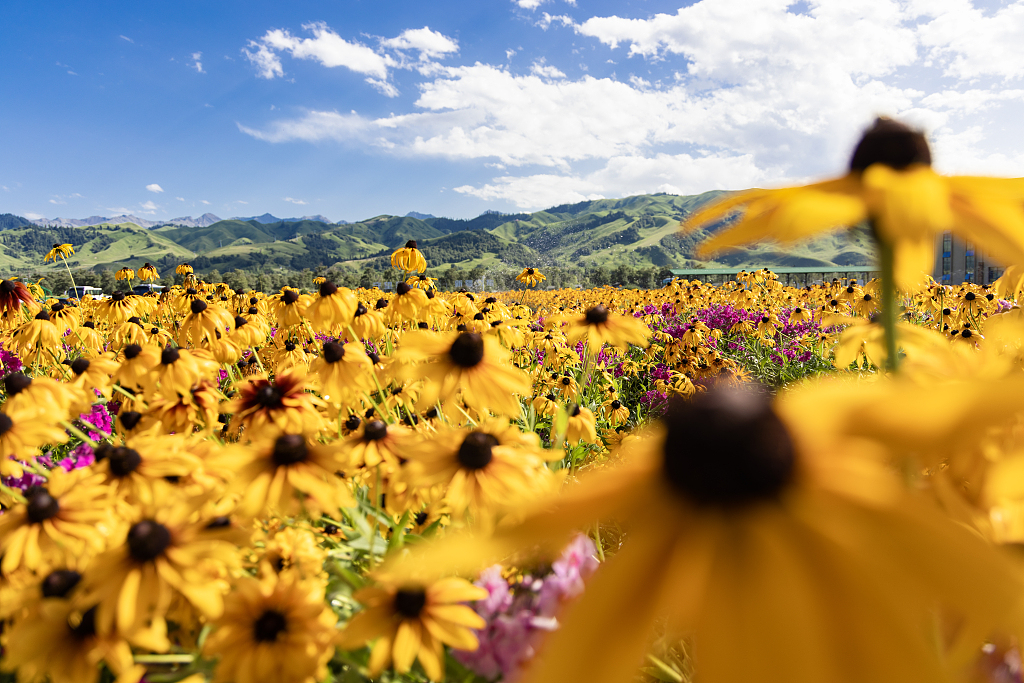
(146,288)
(79,292)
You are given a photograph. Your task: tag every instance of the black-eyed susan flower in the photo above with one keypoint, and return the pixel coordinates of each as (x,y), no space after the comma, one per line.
(61,251)
(177,371)
(274,629)
(126,274)
(334,306)
(160,553)
(183,269)
(891,182)
(132,469)
(23,429)
(530,277)
(745,530)
(582,425)
(414,621)
(282,473)
(409,258)
(599,326)
(482,471)
(342,371)
(283,403)
(69,515)
(148,272)
(374,442)
(468,362)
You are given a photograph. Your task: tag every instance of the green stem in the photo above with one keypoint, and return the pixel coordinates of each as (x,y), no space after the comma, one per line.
(69,272)
(889,303)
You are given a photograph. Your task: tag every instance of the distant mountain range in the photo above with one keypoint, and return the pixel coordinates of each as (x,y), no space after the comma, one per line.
(187,221)
(639,231)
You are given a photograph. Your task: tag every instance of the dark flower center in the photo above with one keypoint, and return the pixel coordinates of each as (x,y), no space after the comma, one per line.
(616,404)
(268,397)
(467,350)
(381,303)
(79,366)
(270,624)
(597,315)
(360,310)
(475,451)
(421,518)
(42,315)
(15,383)
(240,321)
(966,334)
(423,326)
(57,308)
(124,461)
(726,448)
(566,381)
(131,351)
(219,522)
(290,449)
(117,296)
(59,583)
(135,319)
(290,297)
(892,143)
(409,602)
(530,271)
(197,306)
(8,286)
(411,244)
(327,288)
(333,352)
(40,504)
(147,540)
(169,356)
(375,430)
(191,291)
(970,296)
(575,411)
(129,419)
(402,288)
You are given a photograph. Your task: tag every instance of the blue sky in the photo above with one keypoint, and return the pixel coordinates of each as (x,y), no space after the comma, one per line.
(353,108)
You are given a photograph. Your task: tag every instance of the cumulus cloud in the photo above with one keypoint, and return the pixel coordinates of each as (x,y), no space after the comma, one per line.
(267,63)
(196,64)
(203,201)
(33,216)
(149,207)
(153,187)
(429,44)
(300,202)
(327,48)
(726,93)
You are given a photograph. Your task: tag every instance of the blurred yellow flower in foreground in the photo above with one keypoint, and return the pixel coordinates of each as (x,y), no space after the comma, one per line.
(890,182)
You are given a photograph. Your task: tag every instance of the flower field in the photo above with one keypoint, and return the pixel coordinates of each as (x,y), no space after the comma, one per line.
(745,482)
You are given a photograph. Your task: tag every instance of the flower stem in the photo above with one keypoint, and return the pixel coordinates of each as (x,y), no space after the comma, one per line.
(73,286)
(889,303)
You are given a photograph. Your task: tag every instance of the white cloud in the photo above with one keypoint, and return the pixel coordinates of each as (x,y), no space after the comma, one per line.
(543,70)
(154,188)
(33,216)
(149,207)
(430,44)
(180,199)
(970,42)
(57,200)
(267,63)
(196,64)
(239,201)
(723,93)
(546,20)
(5,188)
(329,49)
(622,176)
(203,201)
(127,38)
(300,202)
(119,211)
(72,73)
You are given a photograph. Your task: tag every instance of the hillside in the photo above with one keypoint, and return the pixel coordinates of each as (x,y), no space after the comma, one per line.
(640,231)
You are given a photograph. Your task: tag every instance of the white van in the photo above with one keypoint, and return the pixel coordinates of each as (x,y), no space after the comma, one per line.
(79,292)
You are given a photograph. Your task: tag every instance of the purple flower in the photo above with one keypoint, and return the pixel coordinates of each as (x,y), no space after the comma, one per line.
(80,456)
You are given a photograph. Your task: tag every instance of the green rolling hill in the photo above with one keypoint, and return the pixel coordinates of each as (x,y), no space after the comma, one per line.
(640,231)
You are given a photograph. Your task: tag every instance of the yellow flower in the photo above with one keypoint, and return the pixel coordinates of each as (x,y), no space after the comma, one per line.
(890,182)
(59,250)
(162,554)
(126,274)
(482,471)
(148,272)
(421,281)
(342,370)
(177,371)
(530,277)
(23,429)
(281,473)
(599,326)
(582,425)
(183,269)
(283,403)
(277,629)
(69,515)
(469,362)
(411,621)
(409,258)
(743,534)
